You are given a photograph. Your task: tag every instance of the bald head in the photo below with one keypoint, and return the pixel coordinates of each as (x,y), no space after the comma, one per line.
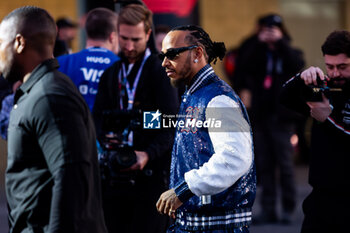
(27,38)
(35,25)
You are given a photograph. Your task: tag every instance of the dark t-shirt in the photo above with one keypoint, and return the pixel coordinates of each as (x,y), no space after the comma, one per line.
(329,139)
(52,179)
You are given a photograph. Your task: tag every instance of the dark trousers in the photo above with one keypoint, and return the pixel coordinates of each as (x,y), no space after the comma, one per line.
(273,151)
(132,208)
(327,210)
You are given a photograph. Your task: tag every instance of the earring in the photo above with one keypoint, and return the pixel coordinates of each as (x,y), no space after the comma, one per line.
(195,60)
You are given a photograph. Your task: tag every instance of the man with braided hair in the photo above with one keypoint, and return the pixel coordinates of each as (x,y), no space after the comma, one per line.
(212,180)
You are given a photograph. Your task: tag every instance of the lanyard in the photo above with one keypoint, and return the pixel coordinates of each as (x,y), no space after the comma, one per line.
(124,81)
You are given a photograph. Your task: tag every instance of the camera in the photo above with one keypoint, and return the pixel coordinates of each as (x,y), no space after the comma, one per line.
(313,93)
(115,152)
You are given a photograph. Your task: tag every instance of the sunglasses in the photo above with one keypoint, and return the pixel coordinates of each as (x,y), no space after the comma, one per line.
(173,52)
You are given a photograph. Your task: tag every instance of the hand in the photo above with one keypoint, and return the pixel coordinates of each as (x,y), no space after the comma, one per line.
(320,110)
(142,159)
(310,75)
(168,202)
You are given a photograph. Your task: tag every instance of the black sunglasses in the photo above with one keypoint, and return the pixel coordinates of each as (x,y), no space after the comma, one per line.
(173,52)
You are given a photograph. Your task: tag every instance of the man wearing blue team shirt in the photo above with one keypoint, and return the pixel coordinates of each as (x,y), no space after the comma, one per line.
(86,67)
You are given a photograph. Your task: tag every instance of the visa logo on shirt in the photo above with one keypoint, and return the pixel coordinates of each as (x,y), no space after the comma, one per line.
(91,75)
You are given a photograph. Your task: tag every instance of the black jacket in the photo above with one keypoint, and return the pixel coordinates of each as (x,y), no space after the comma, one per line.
(153,93)
(251,70)
(52,177)
(329,140)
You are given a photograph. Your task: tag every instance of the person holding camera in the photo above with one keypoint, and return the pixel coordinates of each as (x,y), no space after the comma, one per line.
(212,180)
(135,83)
(326,98)
(264,62)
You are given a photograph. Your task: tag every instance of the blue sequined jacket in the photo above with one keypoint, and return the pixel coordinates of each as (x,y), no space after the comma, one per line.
(193,147)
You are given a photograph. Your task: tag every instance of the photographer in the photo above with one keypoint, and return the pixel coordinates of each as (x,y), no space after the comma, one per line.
(135,83)
(327,99)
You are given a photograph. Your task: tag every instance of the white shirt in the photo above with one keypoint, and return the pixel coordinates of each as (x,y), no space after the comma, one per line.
(233,150)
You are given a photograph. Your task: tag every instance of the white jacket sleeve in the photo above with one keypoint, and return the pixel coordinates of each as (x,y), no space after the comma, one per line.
(233,149)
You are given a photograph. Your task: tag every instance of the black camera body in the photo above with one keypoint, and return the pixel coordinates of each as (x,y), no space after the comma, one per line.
(118,158)
(313,93)
(116,154)
(114,161)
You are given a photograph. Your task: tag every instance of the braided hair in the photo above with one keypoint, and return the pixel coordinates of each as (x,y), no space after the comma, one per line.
(198,36)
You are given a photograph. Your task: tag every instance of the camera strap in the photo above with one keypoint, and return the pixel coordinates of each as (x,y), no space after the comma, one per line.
(124,81)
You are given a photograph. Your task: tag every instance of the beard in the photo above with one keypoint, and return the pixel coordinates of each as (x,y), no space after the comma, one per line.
(10,69)
(134,55)
(12,74)
(340,82)
(177,83)
(184,75)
